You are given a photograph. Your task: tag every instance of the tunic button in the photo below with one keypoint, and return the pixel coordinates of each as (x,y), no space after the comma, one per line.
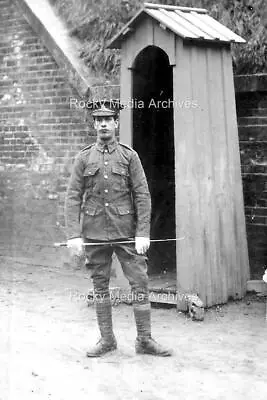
(106,163)
(106,204)
(105,176)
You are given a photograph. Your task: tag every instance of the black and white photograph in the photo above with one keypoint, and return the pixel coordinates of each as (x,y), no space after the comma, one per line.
(133,199)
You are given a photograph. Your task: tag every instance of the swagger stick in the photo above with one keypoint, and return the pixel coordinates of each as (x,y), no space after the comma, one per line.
(118,242)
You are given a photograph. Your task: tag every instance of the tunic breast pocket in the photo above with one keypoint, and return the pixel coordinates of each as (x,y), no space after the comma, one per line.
(120,177)
(90,176)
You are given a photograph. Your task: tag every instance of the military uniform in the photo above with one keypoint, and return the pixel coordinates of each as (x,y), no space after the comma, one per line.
(109,188)
(108,201)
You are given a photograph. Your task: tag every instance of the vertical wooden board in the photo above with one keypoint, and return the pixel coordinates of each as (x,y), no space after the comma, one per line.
(195,212)
(230,235)
(131,47)
(125,96)
(184,161)
(165,39)
(235,180)
(204,174)
(233,275)
(218,140)
(221,216)
(139,40)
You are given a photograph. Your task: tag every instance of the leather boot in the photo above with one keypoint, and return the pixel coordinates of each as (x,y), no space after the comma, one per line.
(144,343)
(107,341)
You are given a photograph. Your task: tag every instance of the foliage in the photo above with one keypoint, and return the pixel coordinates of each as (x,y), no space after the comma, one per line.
(95,22)
(249,20)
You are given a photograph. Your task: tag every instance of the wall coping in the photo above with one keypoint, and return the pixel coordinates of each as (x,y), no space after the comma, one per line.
(54,35)
(250,83)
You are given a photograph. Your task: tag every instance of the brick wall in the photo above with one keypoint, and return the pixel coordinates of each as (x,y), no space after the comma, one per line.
(251,99)
(39,135)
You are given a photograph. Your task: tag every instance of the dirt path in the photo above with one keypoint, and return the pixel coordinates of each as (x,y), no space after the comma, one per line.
(46,326)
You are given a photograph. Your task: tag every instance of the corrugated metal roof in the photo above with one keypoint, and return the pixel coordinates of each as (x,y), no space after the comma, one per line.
(188,23)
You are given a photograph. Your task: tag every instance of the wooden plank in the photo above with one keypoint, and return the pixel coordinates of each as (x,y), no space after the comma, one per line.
(242,263)
(221,216)
(165,39)
(203,171)
(196,164)
(234,273)
(162,297)
(168,7)
(139,40)
(210,230)
(131,47)
(125,128)
(186,187)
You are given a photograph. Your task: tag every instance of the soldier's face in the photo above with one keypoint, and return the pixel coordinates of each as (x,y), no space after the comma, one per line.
(105,127)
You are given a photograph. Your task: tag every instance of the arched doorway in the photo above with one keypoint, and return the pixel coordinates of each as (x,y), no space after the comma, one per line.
(153,139)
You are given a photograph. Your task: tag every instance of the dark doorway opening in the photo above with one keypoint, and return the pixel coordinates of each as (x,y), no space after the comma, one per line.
(153,139)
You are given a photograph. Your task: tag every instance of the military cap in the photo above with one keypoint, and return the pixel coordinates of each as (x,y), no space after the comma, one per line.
(105,108)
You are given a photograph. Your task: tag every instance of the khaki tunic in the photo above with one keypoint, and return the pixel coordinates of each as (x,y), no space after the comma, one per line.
(107,196)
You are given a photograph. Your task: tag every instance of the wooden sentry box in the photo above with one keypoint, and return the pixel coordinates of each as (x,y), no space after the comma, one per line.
(181,56)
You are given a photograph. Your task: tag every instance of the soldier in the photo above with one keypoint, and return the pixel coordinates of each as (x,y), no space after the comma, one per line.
(108,200)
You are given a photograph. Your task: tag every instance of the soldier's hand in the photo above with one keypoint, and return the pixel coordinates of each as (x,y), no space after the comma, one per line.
(76,246)
(142,244)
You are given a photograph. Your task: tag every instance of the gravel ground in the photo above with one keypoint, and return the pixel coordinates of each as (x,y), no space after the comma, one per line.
(46,326)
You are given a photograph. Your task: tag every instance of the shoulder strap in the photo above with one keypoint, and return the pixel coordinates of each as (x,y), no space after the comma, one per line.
(87,147)
(125,145)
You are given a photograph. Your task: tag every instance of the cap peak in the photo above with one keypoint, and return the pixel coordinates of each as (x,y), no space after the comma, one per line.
(105,107)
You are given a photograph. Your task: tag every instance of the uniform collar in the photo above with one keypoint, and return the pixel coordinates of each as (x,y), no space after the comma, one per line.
(111,146)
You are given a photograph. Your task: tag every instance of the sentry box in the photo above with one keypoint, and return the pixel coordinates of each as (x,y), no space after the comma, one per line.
(180,115)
